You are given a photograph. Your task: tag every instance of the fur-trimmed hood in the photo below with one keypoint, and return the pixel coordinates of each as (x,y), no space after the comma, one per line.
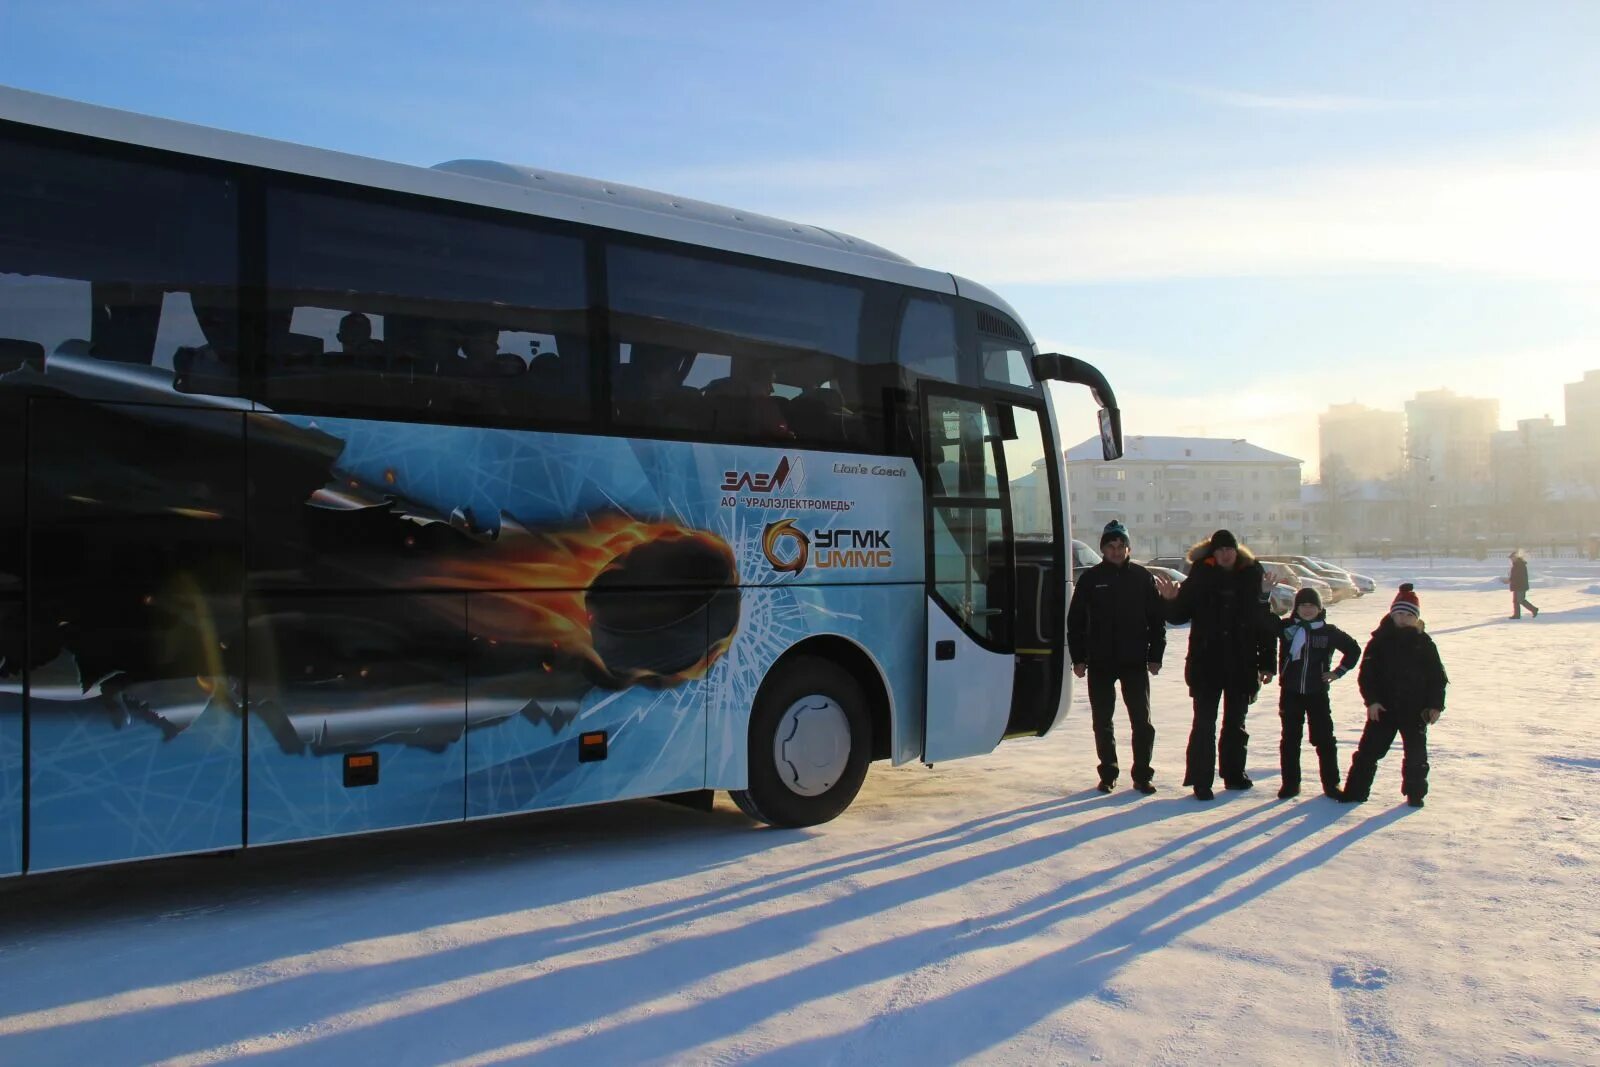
(1202,551)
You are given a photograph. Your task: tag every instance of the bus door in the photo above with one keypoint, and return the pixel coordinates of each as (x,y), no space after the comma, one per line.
(970,559)
(1040,573)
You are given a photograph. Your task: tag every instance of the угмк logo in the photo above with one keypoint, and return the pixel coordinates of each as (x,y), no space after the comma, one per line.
(789,549)
(790,558)
(733,481)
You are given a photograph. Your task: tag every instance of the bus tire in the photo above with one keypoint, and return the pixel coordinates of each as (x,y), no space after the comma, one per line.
(810,743)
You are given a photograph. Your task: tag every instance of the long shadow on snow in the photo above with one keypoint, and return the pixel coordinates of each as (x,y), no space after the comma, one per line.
(1546,618)
(900,957)
(969,1021)
(357,875)
(558,997)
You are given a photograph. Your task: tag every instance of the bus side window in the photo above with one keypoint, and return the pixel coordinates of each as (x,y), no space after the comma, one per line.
(739,353)
(927,342)
(387,312)
(1003,351)
(103,260)
(746,404)
(648,387)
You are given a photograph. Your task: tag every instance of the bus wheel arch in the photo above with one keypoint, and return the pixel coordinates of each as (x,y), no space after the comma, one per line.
(828,697)
(868,674)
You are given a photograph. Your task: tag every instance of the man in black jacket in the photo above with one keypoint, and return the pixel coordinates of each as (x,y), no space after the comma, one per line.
(1116,633)
(1230,657)
(1305,669)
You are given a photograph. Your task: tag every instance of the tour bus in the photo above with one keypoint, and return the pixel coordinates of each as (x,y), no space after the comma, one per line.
(339,496)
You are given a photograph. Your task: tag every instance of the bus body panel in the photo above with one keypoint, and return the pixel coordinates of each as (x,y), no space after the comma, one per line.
(655,742)
(964,718)
(882,621)
(135,548)
(372,683)
(719,558)
(11,772)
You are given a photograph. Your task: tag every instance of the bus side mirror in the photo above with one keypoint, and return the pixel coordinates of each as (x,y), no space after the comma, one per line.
(1053,366)
(1111,433)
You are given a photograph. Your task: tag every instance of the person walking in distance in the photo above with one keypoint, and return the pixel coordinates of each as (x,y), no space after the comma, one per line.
(1117,634)
(1402,680)
(1305,669)
(1518,581)
(1231,655)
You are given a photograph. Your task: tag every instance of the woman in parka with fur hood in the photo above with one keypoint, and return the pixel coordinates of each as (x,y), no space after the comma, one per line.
(1232,653)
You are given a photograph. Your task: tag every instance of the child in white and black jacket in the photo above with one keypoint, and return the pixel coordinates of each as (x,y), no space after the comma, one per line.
(1306,645)
(1403,682)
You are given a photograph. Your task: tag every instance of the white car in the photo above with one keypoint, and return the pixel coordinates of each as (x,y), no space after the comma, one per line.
(1165,572)
(1280,598)
(1336,578)
(1287,574)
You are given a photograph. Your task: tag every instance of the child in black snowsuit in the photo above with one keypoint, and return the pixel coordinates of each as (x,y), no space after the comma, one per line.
(1306,645)
(1403,682)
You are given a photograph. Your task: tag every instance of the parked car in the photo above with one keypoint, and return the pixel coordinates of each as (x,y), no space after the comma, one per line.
(1172,563)
(1328,571)
(1342,585)
(1083,557)
(1324,588)
(1336,578)
(1364,585)
(1287,574)
(1165,572)
(1309,562)
(1280,597)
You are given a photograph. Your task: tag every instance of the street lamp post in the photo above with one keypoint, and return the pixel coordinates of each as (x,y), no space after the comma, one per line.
(1419,504)
(1159,499)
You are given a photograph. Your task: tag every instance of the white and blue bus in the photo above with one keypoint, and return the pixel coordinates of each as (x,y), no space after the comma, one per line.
(339,496)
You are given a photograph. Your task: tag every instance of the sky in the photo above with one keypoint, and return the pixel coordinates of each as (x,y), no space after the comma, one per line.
(1242,212)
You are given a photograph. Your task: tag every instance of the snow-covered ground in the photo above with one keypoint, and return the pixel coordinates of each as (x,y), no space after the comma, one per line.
(995,909)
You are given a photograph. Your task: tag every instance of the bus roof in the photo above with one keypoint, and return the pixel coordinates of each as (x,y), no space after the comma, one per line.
(496,185)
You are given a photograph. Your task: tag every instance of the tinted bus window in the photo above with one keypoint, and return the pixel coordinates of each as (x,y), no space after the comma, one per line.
(739,353)
(104,261)
(927,342)
(422,315)
(1002,351)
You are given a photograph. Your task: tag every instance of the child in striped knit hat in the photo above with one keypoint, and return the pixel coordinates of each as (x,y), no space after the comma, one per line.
(1402,681)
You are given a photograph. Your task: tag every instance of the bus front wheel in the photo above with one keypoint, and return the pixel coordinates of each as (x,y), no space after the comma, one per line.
(810,742)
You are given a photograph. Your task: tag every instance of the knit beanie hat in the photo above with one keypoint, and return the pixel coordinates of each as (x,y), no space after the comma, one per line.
(1224,539)
(1406,600)
(1307,595)
(1114,531)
